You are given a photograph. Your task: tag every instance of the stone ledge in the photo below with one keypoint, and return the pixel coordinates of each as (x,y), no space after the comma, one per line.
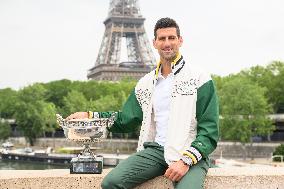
(217,178)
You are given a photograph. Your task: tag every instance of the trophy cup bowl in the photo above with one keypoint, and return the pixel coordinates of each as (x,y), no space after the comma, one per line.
(85,132)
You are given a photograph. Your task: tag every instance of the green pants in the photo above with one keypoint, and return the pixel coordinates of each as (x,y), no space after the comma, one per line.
(150,163)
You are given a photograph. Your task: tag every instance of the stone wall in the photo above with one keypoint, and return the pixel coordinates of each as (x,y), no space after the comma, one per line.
(237,150)
(106,145)
(217,178)
(224,149)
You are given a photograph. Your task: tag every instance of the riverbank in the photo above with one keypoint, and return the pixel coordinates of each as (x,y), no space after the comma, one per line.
(19,156)
(226,150)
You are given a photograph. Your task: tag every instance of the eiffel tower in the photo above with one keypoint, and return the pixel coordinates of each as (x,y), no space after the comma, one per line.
(123,26)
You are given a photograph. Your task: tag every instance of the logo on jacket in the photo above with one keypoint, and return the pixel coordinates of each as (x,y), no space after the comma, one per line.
(185,88)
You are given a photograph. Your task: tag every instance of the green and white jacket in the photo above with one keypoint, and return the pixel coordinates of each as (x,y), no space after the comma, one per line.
(193,122)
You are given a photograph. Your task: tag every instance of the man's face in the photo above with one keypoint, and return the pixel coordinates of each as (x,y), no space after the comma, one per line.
(167,43)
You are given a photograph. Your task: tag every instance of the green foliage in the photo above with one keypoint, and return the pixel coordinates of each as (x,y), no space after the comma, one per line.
(34,115)
(90,89)
(34,107)
(8,99)
(57,90)
(270,77)
(5,130)
(74,101)
(70,97)
(279,150)
(48,112)
(109,102)
(244,110)
(245,98)
(32,93)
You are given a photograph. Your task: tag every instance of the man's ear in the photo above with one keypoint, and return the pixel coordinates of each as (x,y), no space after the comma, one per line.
(154,43)
(180,41)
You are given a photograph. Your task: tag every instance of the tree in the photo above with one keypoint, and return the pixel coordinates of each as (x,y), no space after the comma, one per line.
(244,110)
(74,101)
(279,150)
(109,102)
(48,113)
(272,78)
(277,85)
(34,115)
(5,130)
(8,100)
(57,90)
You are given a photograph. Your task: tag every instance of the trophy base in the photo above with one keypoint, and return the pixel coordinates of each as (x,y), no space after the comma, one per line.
(83,166)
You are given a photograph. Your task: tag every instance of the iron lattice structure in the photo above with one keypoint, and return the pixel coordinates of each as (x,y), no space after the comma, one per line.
(123,24)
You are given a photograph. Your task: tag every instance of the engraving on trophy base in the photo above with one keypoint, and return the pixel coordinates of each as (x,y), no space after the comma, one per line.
(86,166)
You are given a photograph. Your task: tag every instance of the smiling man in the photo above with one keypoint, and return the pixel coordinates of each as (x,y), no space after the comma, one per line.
(176,106)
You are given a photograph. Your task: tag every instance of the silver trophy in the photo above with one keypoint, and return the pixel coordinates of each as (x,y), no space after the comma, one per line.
(85,132)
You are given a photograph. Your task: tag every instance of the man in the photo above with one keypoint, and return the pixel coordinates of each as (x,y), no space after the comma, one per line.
(177,106)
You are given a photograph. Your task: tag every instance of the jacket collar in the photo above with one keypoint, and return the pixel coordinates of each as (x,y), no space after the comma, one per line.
(177,64)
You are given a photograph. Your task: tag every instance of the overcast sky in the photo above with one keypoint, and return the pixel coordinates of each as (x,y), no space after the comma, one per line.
(46,40)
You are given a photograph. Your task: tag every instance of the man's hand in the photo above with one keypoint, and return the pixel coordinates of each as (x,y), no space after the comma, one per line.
(78,115)
(176,171)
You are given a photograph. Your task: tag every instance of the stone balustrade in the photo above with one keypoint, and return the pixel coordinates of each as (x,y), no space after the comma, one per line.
(262,177)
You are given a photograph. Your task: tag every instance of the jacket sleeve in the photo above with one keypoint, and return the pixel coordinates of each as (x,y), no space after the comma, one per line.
(207,115)
(127,120)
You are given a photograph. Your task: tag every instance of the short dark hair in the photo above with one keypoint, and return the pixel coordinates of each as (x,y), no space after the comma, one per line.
(166,23)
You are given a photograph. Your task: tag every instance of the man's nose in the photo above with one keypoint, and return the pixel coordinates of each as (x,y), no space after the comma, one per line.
(167,42)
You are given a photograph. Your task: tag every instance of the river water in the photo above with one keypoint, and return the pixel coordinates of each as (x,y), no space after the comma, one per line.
(21,165)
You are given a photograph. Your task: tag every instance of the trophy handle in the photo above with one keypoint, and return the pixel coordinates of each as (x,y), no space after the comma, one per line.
(60,120)
(111,119)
